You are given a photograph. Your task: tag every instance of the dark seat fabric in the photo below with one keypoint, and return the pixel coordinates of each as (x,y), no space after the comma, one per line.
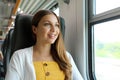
(6,46)
(6,50)
(17,38)
(62,23)
(22,32)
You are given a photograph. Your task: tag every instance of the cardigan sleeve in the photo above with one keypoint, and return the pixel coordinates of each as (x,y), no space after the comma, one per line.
(15,68)
(75,72)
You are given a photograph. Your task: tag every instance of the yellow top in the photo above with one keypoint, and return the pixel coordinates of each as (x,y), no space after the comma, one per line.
(48,70)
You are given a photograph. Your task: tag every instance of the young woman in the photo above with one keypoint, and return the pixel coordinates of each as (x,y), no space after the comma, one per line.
(47,59)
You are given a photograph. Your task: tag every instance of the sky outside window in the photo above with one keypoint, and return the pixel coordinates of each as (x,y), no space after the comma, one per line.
(105,5)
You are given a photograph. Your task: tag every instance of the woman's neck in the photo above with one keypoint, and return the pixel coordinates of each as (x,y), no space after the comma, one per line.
(42,52)
(42,48)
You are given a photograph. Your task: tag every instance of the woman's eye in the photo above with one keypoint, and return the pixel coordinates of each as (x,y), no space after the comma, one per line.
(57,25)
(46,24)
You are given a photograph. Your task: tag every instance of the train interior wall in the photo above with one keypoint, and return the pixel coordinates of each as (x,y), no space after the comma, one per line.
(74,15)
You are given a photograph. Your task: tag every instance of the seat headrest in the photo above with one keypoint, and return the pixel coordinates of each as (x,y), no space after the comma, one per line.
(62,23)
(23,32)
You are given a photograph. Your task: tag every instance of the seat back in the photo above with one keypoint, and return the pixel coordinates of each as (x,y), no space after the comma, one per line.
(22,32)
(62,23)
(17,38)
(6,50)
(7,42)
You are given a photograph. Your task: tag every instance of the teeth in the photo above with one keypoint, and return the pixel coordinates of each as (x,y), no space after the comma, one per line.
(52,35)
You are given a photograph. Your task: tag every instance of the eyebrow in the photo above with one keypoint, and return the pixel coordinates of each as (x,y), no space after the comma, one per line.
(50,21)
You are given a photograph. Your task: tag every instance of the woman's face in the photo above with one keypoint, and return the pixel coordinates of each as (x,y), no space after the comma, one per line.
(47,30)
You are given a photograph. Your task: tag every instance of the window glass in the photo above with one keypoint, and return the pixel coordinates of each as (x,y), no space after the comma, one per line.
(107,50)
(57,11)
(105,5)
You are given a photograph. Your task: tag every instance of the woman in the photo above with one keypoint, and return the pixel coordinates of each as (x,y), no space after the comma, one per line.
(47,59)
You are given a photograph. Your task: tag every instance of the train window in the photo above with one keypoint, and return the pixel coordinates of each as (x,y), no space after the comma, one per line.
(107,50)
(105,5)
(104,40)
(57,11)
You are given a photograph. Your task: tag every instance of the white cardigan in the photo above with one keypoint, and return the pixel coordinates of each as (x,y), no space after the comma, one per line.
(21,66)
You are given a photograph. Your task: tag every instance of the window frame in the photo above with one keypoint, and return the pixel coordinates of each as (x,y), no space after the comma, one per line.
(92,20)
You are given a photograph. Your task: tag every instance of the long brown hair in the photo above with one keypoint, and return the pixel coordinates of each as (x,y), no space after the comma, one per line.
(58,50)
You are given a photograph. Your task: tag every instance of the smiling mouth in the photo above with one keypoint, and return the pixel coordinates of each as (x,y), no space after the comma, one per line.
(52,36)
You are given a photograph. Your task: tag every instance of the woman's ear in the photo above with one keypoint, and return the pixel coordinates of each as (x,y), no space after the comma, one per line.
(34,29)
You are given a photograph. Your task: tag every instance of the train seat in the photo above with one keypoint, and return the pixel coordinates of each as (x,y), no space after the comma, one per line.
(6,50)
(17,38)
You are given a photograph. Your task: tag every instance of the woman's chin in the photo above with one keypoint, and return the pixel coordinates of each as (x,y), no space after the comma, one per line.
(52,41)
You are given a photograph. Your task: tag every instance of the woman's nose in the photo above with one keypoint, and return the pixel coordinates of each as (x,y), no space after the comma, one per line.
(52,28)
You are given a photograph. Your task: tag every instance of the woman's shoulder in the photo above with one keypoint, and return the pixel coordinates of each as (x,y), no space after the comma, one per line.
(23,52)
(68,55)
(24,49)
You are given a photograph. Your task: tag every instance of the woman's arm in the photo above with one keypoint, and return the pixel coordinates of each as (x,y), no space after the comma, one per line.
(14,68)
(75,72)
